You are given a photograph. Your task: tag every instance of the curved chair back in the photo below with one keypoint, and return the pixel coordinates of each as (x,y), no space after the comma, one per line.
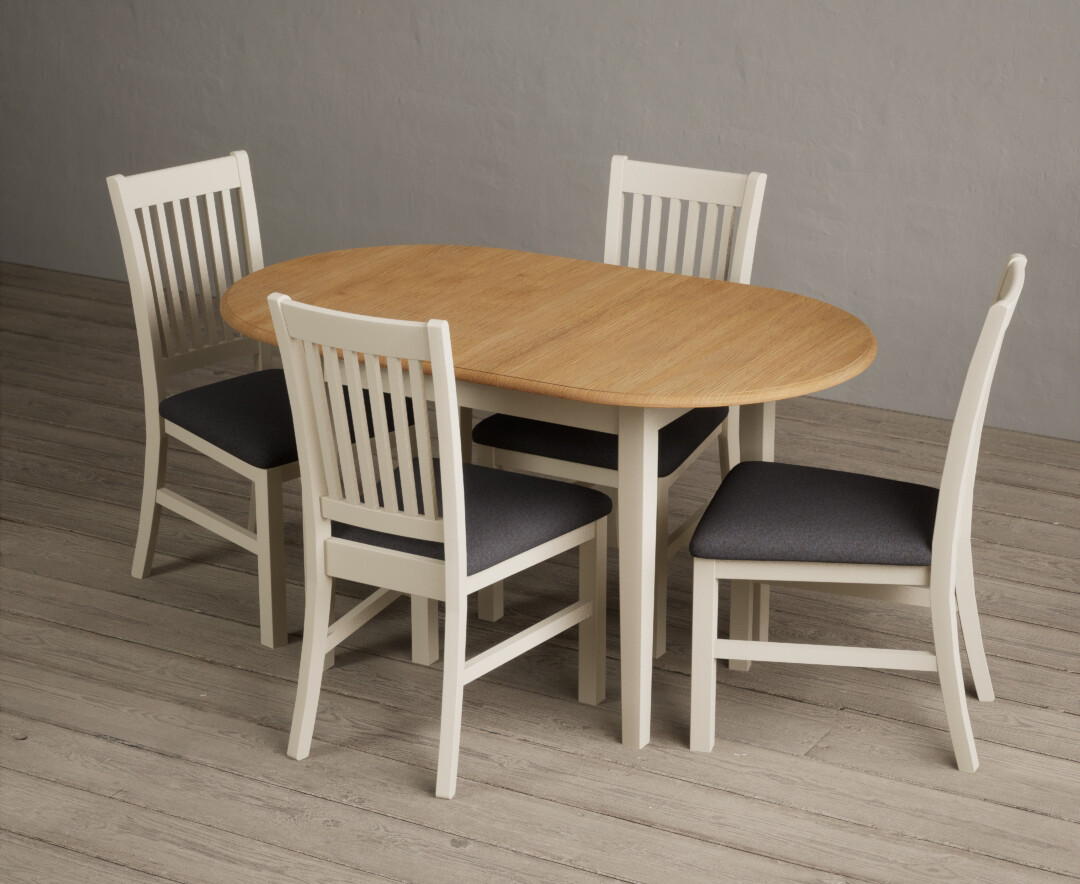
(697,222)
(188,233)
(336,366)
(952,524)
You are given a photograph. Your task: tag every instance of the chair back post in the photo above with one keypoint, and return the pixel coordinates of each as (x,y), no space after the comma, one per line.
(249,219)
(614,228)
(953,518)
(178,230)
(313,479)
(150,349)
(742,250)
(448,431)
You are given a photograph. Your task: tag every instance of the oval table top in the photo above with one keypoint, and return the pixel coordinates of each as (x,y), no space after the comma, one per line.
(580,330)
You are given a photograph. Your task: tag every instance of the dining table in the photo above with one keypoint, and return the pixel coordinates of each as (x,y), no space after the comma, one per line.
(600,346)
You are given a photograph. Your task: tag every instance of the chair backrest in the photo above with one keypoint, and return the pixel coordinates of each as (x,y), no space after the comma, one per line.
(691,221)
(188,233)
(953,519)
(331,359)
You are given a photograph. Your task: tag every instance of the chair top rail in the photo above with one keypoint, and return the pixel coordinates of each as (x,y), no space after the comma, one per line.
(351,331)
(182,182)
(680,182)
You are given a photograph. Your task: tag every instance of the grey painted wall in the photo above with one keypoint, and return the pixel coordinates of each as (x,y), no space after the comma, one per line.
(910,146)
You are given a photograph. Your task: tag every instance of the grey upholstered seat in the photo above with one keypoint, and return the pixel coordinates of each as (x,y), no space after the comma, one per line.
(677,441)
(505,514)
(781,512)
(248,417)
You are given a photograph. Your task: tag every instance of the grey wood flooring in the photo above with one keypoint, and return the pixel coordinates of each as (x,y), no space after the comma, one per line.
(143,727)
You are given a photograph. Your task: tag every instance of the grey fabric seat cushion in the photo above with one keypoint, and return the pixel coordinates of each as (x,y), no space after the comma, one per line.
(677,441)
(249,417)
(505,514)
(785,513)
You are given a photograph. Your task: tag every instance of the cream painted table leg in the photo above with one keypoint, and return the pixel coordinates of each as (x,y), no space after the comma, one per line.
(757,437)
(757,431)
(637,552)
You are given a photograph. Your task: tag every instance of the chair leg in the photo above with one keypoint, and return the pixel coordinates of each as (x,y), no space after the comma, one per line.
(969,621)
(331,615)
(453,695)
(703,661)
(592,633)
(251,523)
(741,617)
(270,533)
(761,612)
(489,601)
(319,592)
(425,630)
(660,588)
(729,442)
(150,509)
(950,673)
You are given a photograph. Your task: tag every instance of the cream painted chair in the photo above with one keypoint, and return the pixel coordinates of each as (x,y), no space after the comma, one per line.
(858,535)
(695,222)
(188,233)
(410,517)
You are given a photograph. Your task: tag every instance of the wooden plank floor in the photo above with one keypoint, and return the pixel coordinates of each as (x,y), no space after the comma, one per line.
(143,727)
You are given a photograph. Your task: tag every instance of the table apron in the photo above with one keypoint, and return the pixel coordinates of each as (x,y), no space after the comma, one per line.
(569,412)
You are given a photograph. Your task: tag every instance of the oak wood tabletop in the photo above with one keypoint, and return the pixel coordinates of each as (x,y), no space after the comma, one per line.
(577,329)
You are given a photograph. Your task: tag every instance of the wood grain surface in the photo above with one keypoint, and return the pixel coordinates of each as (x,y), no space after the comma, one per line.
(580,329)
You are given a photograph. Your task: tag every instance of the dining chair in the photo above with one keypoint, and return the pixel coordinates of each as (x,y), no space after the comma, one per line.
(410,517)
(852,534)
(188,233)
(695,222)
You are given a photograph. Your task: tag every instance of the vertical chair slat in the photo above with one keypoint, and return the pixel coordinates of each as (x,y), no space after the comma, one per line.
(674,227)
(368,482)
(656,208)
(633,258)
(249,217)
(169,342)
(317,385)
(723,257)
(708,241)
(693,210)
(183,244)
(401,435)
(373,373)
(183,342)
(340,418)
(213,320)
(423,438)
